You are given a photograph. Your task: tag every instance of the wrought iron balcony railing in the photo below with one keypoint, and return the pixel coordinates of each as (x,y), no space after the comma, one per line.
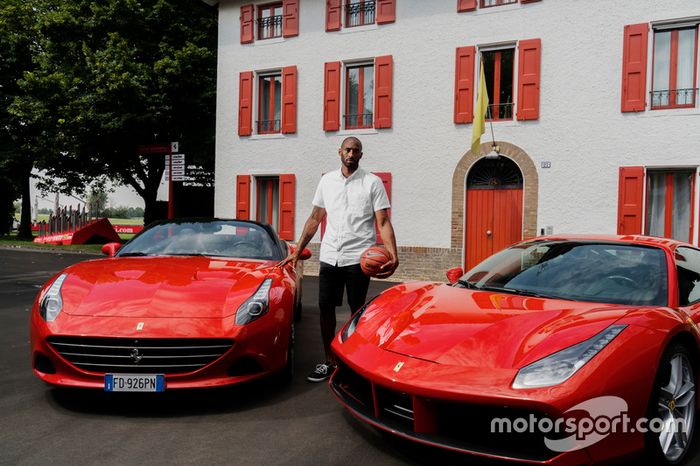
(269,27)
(359,14)
(268,126)
(673,98)
(362,120)
(500,112)
(488,3)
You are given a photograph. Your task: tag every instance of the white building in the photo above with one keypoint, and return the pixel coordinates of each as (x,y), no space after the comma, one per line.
(596,116)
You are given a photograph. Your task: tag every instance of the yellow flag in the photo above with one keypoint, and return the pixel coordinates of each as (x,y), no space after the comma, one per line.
(482,103)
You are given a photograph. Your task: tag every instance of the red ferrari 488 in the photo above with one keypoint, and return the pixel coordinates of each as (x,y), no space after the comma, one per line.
(559,350)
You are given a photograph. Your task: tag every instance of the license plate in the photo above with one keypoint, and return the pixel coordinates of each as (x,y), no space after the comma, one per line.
(134,383)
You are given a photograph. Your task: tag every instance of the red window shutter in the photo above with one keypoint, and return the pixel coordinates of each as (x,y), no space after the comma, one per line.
(386,179)
(290,10)
(333,14)
(243,197)
(629,201)
(383,75)
(386,11)
(466,5)
(634,67)
(331,96)
(289,99)
(529,79)
(287,194)
(245,104)
(247,30)
(464,84)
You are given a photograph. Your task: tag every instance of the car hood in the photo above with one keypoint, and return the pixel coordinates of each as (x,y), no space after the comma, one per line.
(472,328)
(174,287)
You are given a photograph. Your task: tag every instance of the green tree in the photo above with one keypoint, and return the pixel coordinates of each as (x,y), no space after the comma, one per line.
(18,44)
(97,201)
(109,76)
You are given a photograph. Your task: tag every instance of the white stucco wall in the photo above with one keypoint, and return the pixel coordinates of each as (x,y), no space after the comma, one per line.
(580,130)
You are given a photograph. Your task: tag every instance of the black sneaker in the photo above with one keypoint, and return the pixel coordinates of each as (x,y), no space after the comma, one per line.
(321,372)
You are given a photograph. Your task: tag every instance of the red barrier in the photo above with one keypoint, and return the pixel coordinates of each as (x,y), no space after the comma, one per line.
(99,231)
(128,229)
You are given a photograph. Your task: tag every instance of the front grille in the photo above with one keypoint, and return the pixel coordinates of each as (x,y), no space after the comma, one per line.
(139,356)
(355,389)
(465,427)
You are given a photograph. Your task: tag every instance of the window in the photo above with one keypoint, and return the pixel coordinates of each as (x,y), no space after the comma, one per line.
(688,266)
(274,197)
(656,202)
(502,82)
(269,104)
(674,69)
(359,96)
(488,3)
(359,13)
(275,102)
(352,13)
(280,19)
(267,205)
(498,72)
(270,21)
(470,5)
(363,91)
(669,201)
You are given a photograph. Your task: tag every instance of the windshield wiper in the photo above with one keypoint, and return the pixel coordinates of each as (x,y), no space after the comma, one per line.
(467,284)
(534,294)
(134,254)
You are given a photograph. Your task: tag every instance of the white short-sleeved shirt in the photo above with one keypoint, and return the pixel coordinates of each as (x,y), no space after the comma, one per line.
(350,205)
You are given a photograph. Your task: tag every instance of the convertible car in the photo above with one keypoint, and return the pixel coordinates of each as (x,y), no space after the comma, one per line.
(184,304)
(559,350)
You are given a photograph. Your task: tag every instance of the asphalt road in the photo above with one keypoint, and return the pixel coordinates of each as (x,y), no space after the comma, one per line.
(259,423)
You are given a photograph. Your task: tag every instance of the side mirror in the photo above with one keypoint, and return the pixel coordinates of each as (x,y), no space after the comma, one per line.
(110,249)
(454,274)
(305,254)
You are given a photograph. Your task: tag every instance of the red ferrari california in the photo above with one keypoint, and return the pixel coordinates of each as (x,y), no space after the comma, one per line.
(184,304)
(559,350)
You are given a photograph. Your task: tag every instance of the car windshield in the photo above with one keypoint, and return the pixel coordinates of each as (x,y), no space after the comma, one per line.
(582,271)
(216,238)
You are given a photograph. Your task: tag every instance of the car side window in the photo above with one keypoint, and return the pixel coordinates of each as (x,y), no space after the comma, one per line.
(688,266)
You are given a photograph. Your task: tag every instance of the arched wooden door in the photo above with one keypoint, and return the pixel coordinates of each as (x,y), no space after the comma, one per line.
(494,208)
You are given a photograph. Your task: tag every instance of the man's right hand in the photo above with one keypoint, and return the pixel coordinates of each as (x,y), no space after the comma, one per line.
(293,258)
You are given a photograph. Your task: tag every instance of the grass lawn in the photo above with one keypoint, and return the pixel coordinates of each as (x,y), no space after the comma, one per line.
(12,241)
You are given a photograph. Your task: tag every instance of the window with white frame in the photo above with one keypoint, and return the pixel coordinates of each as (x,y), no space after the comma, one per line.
(359,12)
(270,21)
(674,74)
(359,96)
(267,200)
(269,103)
(498,73)
(669,201)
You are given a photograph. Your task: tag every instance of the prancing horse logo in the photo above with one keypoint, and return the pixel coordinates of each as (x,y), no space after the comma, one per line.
(136,356)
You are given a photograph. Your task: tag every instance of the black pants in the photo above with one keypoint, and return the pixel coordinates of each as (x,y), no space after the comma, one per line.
(333,279)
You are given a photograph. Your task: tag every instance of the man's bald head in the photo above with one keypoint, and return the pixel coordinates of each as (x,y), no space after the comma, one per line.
(351,140)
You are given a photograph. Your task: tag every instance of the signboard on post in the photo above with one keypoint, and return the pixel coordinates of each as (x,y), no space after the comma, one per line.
(177,170)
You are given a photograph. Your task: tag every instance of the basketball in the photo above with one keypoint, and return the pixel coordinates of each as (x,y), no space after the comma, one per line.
(372,260)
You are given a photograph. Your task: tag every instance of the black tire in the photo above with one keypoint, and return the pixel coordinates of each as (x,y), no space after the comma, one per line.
(297,306)
(672,399)
(288,371)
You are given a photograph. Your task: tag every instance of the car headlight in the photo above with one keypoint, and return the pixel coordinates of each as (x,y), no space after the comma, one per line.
(558,367)
(351,326)
(255,306)
(52,302)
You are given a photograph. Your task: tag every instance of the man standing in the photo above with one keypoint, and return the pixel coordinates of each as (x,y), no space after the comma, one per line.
(352,201)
